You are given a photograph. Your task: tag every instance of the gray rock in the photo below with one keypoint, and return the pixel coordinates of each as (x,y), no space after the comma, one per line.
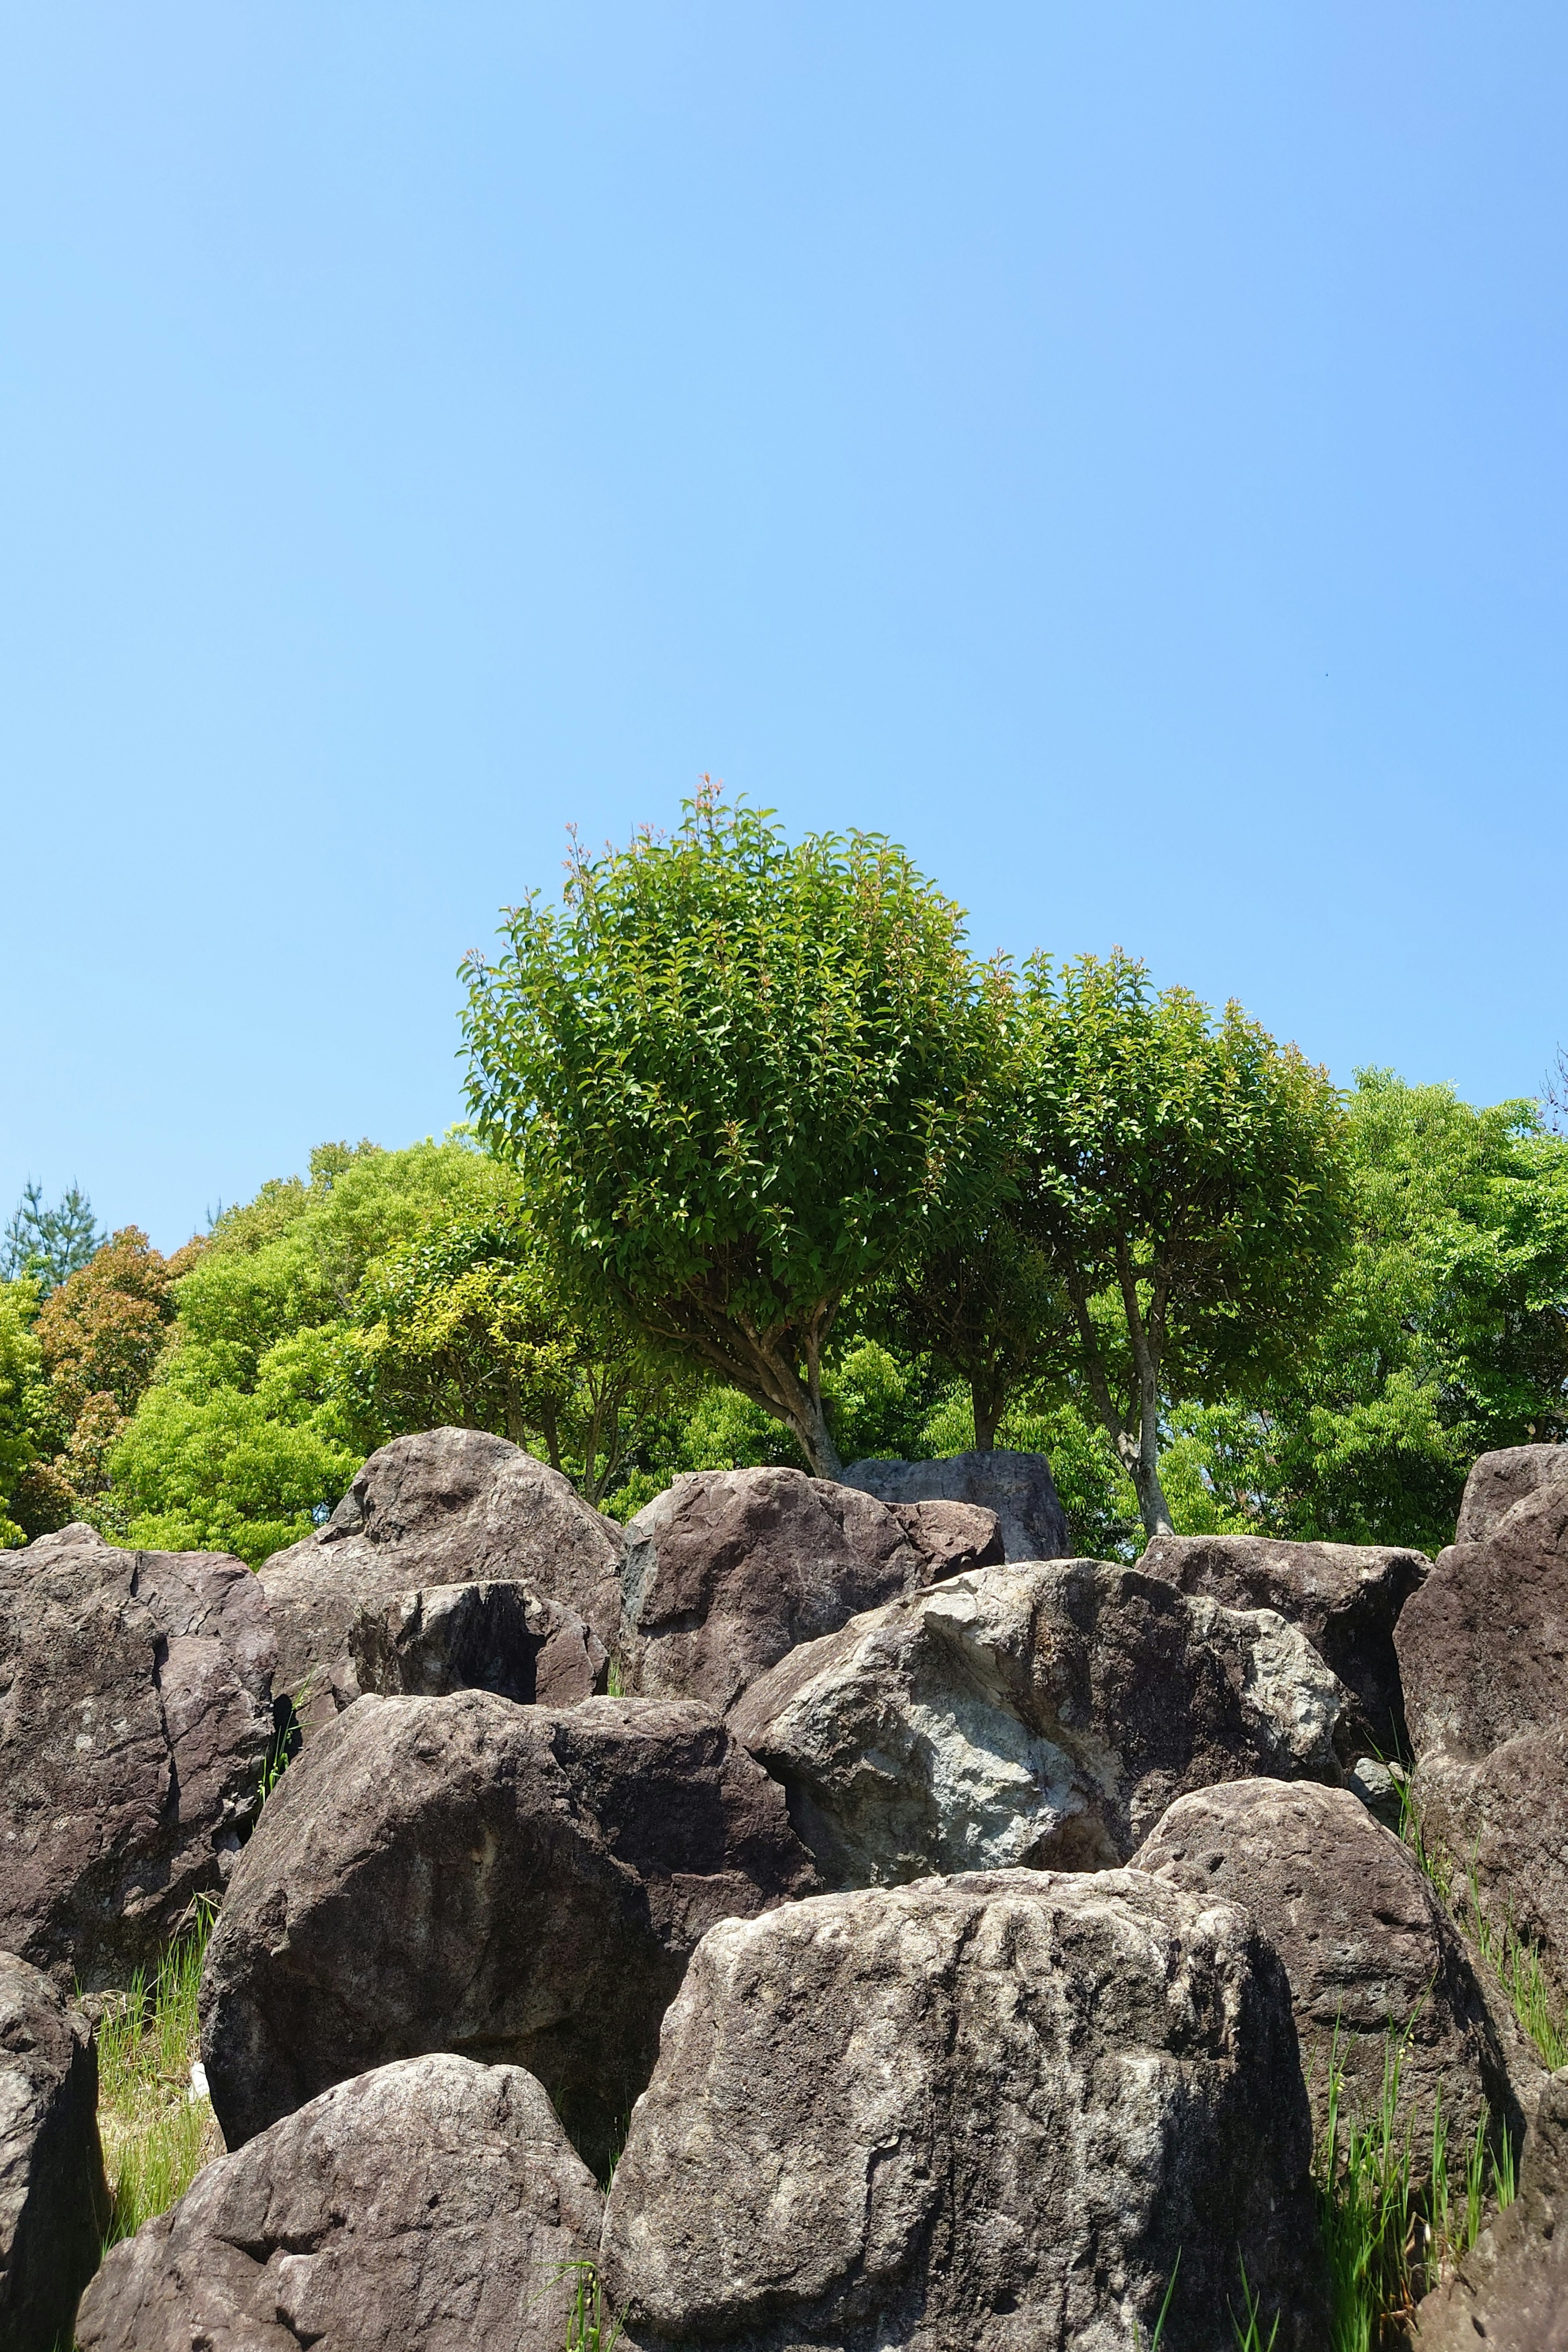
(1380,1790)
(494,1637)
(54,2202)
(432,2204)
(728,1569)
(135,1711)
(1483,1646)
(1501,1826)
(1044,1715)
(513,1882)
(1498,1481)
(1368,1947)
(993,2109)
(447,1507)
(1511,2291)
(1346,1598)
(1018,1487)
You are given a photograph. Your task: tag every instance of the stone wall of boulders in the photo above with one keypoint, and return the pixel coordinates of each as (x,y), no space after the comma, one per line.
(951,1943)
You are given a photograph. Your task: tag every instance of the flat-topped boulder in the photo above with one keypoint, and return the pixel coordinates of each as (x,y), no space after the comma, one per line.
(1018,1487)
(136,1713)
(1042,1713)
(445,1507)
(1368,1949)
(728,1569)
(435,2204)
(1483,1646)
(54,2200)
(1346,1598)
(1005,2108)
(516,1883)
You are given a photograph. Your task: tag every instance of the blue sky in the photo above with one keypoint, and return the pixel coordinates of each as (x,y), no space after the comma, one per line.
(1117,449)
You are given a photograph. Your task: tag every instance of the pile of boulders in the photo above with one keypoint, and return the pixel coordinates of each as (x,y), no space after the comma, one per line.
(931,1940)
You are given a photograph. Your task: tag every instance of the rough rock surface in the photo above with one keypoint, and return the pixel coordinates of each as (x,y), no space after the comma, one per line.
(987,2110)
(1483,1646)
(1018,1487)
(1505,1822)
(519,1883)
(1366,1944)
(135,1710)
(447,1507)
(494,1637)
(54,2203)
(1043,1714)
(1498,1481)
(433,2203)
(1346,1598)
(1512,2291)
(728,1569)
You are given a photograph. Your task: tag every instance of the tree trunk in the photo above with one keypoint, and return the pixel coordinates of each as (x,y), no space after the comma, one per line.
(1138,1454)
(988,1409)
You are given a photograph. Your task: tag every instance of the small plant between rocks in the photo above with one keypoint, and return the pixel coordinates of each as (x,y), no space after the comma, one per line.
(158,2128)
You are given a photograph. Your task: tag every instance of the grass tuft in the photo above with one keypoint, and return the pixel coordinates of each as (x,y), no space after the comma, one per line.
(156,2135)
(1515,1962)
(590,2325)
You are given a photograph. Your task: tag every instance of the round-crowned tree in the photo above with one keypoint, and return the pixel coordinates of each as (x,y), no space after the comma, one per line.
(742,1076)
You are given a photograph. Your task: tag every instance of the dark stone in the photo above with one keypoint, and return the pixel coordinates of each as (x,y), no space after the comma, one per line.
(517,1884)
(434,2206)
(1346,1598)
(1005,2108)
(1498,1481)
(1483,1646)
(728,1569)
(1501,1826)
(1511,2291)
(1018,1487)
(54,2201)
(135,1711)
(494,1637)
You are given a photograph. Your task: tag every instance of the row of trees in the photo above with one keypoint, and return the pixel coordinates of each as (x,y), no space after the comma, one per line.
(765,1166)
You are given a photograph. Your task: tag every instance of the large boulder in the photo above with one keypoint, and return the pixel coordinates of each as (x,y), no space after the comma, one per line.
(1511,2291)
(447,1507)
(1018,1487)
(513,1882)
(1006,2108)
(728,1569)
(435,2203)
(1483,1646)
(54,2201)
(135,1712)
(494,1637)
(1044,1714)
(1503,1826)
(1346,1598)
(1369,1949)
(1498,1481)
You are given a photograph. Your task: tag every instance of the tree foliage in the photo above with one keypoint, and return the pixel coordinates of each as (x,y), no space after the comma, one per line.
(746,1073)
(45,1246)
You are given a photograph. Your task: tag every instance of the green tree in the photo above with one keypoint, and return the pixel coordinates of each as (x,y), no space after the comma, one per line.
(991,1306)
(45,1245)
(21,1373)
(747,1075)
(1188,1176)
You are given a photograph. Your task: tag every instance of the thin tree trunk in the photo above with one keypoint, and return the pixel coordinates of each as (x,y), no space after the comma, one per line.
(989,1403)
(1137,1453)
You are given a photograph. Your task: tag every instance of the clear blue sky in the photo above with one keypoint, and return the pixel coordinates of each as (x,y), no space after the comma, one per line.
(1117,449)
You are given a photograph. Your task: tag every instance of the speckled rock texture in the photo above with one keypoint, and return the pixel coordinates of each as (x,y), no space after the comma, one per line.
(54,2203)
(494,1637)
(1512,2291)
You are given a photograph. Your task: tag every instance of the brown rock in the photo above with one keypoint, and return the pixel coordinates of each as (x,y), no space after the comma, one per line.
(1346,1598)
(432,2204)
(135,1711)
(447,1507)
(1368,1947)
(513,1882)
(1018,1487)
(1503,1826)
(1498,1481)
(494,1637)
(54,2202)
(1483,1646)
(993,2109)
(1512,2291)
(729,1569)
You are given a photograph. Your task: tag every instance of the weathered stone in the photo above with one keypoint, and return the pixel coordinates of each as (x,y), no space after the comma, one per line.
(494,1637)
(1368,1947)
(1044,1715)
(1498,1481)
(728,1569)
(514,1883)
(135,1711)
(1018,1487)
(1503,1826)
(434,2204)
(54,2201)
(447,1507)
(1483,1646)
(993,2109)
(1511,2291)
(1380,1788)
(1346,1598)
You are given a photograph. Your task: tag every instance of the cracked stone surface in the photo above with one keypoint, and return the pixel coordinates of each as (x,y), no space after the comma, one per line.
(54,2202)
(434,2204)
(135,1710)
